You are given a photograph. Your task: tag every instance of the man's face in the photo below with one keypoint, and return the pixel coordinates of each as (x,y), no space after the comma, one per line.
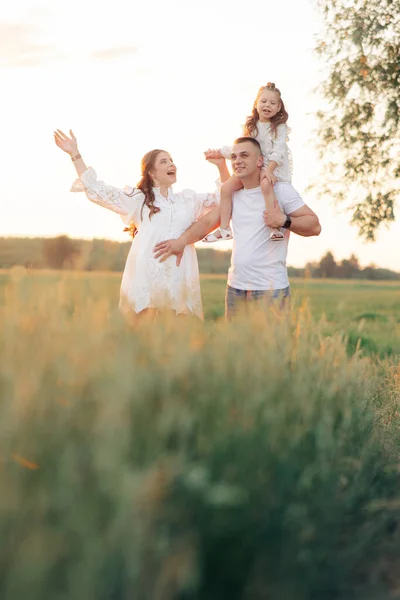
(246,160)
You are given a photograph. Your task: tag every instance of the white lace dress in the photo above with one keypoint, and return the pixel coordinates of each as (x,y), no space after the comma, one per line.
(147,283)
(273,148)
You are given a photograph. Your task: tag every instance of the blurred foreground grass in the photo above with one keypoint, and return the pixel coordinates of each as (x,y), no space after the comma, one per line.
(189,460)
(367,312)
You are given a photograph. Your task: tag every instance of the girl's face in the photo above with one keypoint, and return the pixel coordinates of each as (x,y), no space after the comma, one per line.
(268,105)
(164,171)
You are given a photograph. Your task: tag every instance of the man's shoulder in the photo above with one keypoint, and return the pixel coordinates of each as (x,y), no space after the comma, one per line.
(285,190)
(284,185)
(288,197)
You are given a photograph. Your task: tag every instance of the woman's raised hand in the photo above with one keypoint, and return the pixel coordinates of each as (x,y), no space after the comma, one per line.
(215,157)
(211,154)
(68,144)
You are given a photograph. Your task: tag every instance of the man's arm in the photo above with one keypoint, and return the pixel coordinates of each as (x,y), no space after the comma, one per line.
(222,169)
(304,220)
(200,228)
(193,234)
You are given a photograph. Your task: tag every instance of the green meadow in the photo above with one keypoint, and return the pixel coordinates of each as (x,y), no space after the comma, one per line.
(257,460)
(366,312)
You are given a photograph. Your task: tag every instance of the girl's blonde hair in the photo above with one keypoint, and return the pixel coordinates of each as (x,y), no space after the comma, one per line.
(250,128)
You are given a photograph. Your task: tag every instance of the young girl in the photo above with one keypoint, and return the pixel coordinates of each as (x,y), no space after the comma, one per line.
(157,213)
(267,124)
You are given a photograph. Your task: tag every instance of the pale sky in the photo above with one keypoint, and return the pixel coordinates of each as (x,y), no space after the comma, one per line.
(127,77)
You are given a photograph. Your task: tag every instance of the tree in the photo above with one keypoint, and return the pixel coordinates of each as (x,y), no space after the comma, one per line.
(327,265)
(60,252)
(359,133)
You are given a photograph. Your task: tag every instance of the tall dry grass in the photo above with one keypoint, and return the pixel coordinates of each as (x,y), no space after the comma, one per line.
(184,460)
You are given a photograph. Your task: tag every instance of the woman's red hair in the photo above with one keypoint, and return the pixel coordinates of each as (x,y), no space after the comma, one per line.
(146,185)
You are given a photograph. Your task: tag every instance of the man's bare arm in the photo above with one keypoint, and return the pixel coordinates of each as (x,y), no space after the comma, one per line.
(201,227)
(193,234)
(304,220)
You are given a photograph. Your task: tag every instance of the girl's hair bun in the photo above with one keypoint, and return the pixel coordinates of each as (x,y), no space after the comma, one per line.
(270,86)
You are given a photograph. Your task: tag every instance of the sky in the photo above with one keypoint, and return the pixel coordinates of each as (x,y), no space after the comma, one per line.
(130,76)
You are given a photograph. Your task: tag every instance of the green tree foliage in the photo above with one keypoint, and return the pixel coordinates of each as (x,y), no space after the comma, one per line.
(107,255)
(359,131)
(328,266)
(348,268)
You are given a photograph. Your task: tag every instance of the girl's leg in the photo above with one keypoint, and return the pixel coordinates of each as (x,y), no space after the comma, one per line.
(228,188)
(224,232)
(269,196)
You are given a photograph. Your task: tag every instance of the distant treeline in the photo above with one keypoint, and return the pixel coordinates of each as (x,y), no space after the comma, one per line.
(347,268)
(63,252)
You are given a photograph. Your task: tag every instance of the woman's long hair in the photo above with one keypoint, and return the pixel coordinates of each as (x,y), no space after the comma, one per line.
(146,185)
(250,128)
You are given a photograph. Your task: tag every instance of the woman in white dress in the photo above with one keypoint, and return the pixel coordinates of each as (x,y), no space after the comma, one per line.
(156,213)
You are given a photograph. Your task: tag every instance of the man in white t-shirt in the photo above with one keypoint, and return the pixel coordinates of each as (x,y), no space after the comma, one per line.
(258,266)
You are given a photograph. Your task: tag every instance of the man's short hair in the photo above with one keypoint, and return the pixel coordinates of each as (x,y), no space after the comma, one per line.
(242,140)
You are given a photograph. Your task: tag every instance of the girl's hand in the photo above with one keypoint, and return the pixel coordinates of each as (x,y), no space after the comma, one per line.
(265,174)
(211,154)
(69,145)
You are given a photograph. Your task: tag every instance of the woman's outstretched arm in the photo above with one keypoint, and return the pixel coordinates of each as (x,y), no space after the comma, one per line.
(108,196)
(70,146)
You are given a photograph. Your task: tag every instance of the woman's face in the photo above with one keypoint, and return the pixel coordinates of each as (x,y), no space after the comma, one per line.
(268,105)
(164,171)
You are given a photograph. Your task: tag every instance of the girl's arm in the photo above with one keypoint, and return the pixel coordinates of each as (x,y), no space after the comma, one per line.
(276,156)
(205,202)
(270,167)
(279,147)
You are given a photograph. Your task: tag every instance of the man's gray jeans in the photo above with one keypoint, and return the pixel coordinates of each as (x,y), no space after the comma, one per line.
(236,300)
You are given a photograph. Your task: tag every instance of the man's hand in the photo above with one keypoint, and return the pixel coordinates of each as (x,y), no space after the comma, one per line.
(275,218)
(164,250)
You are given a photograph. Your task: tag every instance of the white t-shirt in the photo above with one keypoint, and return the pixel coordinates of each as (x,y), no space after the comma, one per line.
(257,262)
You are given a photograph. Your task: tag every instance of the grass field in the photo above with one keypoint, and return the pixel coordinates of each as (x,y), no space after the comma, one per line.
(257,460)
(367,312)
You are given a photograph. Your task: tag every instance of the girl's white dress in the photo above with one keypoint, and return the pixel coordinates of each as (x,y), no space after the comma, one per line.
(147,283)
(273,148)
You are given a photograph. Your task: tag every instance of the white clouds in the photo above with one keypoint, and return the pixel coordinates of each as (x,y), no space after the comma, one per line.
(114,53)
(19,46)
